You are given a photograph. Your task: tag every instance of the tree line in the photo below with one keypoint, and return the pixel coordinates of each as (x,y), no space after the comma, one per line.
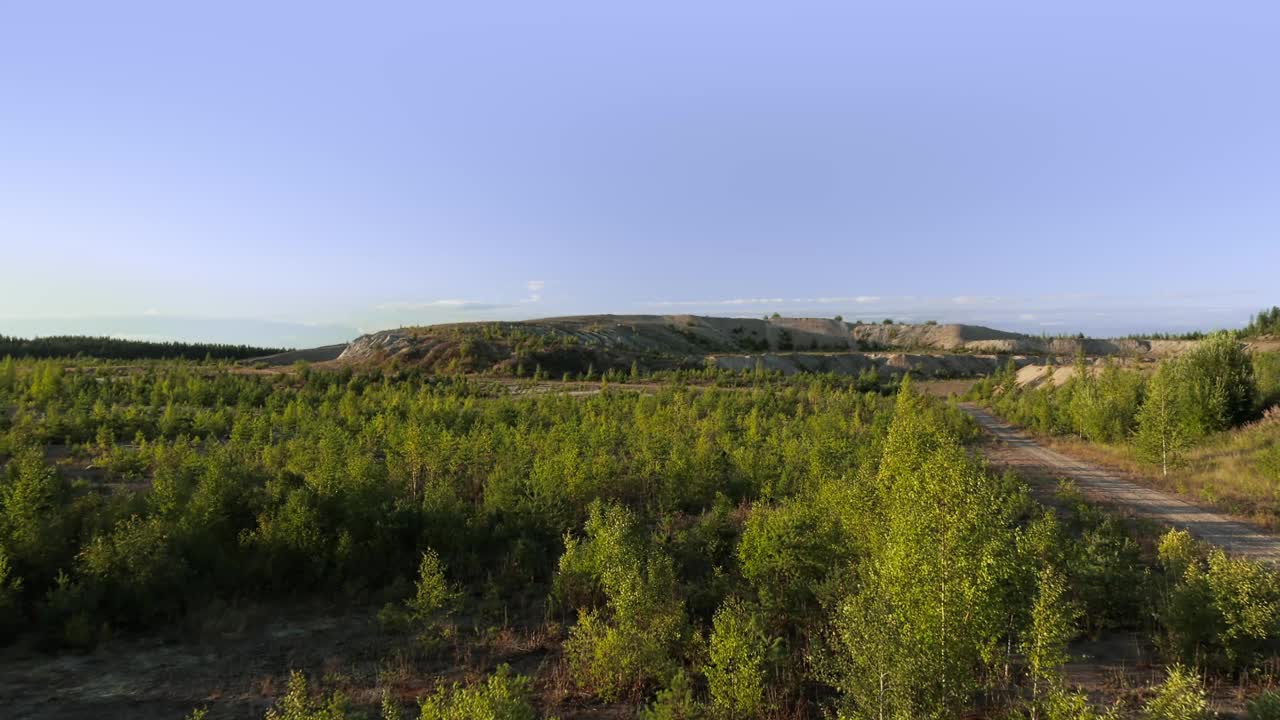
(1214,387)
(110,348)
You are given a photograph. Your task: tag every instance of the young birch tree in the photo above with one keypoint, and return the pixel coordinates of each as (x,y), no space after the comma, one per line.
(1162,434)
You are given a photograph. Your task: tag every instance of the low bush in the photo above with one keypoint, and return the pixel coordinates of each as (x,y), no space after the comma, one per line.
(1266,706)
(503,696)
(631,641)
(298,704)
(1218,611)
(736,671)
(1181,697)
(675,702)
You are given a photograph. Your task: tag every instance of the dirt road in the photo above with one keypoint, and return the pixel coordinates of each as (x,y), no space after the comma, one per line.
(1017,450)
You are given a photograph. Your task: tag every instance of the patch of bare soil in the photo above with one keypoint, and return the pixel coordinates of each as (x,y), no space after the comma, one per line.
(1120,667)
(944,388)
(236,663)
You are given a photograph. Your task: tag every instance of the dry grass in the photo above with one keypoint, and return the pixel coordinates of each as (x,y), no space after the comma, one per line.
(944,388)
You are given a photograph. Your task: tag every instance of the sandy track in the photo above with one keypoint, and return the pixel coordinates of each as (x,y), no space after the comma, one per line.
(1020,452)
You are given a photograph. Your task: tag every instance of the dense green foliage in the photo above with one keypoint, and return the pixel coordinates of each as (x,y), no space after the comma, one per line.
(777,549)
(503,696)
(1266,372)
(1211,388)
(298,704)
(1218,611)
(67,346)
(1266,322)
(1181,697)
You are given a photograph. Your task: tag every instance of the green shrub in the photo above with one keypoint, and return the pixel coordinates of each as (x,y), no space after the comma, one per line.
(10,597)
(675,702)
(1222,611)
(785,552)
(1266,706)
(1181,697)
(631,641)
(1246,596)
(1053,619)
(1268,462)
(1266,372)
(895,645)
(297,703)
(736,671)
(1104,406)
(137,568)
(1266,322)
(1218,386)
(1177,551)
(1108,576)
(432,592)
(1063,704)
(504,696)
(34,500)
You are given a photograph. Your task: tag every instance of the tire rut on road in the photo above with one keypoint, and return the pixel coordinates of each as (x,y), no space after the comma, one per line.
(1024,452)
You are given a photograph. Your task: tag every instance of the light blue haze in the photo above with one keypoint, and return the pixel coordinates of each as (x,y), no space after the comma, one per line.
(297,172)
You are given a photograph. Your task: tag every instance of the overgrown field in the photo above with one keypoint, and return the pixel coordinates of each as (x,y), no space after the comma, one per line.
(779,549)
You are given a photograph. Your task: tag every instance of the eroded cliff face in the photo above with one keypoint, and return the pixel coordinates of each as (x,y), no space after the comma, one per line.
(377,346)
(655,342)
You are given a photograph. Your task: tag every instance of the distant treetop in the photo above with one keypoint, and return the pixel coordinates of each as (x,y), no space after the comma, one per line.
(117,349)
(1266,322)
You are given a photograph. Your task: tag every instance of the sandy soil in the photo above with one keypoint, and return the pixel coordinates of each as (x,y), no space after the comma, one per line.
(311,355)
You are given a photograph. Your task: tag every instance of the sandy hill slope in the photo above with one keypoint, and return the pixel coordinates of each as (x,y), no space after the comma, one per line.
(316,354)
(578,343)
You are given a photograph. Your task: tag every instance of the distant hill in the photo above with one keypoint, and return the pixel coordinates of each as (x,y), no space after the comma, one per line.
(575,344)
(324,353)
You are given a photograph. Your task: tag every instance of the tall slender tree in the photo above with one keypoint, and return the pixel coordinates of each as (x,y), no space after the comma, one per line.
(1162,434)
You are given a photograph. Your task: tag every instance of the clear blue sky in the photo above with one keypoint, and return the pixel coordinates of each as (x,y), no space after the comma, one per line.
(296,172)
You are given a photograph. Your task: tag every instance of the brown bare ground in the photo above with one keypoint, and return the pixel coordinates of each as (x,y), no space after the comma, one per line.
(236,663)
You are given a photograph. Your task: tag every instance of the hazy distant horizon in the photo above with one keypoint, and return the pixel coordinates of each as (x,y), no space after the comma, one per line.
(991,312)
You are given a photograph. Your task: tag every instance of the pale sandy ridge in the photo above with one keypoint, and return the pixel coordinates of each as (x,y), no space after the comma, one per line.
(1019,450)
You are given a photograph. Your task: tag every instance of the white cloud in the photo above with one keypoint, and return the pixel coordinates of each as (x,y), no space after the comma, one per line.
(448,303)
(770,301)
(857,299)
(709,303)
(151,312)
(974,300)
(1026,316)
(535,288)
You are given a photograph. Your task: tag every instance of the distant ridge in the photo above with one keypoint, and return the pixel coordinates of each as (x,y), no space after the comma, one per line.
(323,353)
(576,344)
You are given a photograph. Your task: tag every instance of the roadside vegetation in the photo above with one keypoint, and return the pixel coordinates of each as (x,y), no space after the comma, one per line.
(1204,423)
